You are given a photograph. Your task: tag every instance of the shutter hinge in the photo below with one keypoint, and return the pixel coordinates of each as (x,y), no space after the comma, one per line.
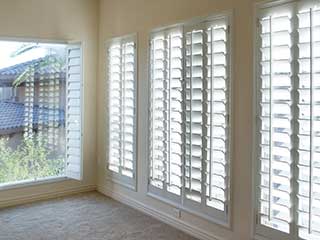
(258,22)
(227,209)
(257,218)
(228,29)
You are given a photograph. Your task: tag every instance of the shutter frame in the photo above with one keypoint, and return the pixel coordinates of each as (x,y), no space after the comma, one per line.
(213,215)
(75,172)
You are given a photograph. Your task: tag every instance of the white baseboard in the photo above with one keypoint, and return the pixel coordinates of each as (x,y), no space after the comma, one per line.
(176,223)
(45,196)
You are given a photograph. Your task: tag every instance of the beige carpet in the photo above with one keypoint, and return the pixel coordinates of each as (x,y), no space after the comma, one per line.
(89,216)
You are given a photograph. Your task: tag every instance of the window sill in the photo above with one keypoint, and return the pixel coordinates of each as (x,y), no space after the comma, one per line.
(29,183)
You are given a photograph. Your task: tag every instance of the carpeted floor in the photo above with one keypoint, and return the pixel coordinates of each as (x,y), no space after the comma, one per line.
(89,216)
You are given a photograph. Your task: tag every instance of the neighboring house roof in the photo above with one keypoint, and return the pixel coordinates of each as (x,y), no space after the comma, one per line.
(12,116)
(9,74)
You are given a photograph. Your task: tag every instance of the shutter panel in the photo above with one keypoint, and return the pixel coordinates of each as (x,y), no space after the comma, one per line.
(207,113)
(166,111)
(289,121)
(122,129)
(195,120)
(275,121)
(74,112)
(217,170)
(309,123)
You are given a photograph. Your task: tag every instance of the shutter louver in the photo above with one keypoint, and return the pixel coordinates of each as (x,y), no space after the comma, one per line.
(74,112)
(189,125)
(121,76)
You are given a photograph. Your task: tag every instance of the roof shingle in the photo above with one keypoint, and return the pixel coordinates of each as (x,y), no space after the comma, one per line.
(12,115)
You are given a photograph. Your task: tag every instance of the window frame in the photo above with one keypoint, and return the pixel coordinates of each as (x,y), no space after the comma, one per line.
(64,177)
(260,231)
(130,183)
(167,197)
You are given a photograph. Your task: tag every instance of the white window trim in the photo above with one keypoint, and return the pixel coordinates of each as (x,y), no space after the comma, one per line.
(130,183)
(259,231)
(171,199)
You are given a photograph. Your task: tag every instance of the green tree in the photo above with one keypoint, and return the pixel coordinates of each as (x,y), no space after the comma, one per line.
(31,160)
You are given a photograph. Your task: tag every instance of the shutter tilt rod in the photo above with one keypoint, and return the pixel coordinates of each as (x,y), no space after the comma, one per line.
(270,123)
(123,104)
(190,150)
(211,115)
(311,125)
(169,110)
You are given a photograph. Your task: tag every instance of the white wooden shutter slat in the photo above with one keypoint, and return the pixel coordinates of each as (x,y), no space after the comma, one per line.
(121,75)
(74,112)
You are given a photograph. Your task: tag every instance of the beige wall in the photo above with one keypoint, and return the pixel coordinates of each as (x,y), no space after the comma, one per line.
(119,17)
(58,20)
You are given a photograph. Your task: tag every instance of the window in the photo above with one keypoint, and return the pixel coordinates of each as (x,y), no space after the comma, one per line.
(40,111)
(189,117)
(288,81)
(121,72)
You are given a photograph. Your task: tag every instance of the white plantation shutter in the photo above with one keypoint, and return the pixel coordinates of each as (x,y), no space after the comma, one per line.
(166,146)
(74,112)
(309,123)
(121,71)
(189,128)
(275,120)
(289,78)
(207,114)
